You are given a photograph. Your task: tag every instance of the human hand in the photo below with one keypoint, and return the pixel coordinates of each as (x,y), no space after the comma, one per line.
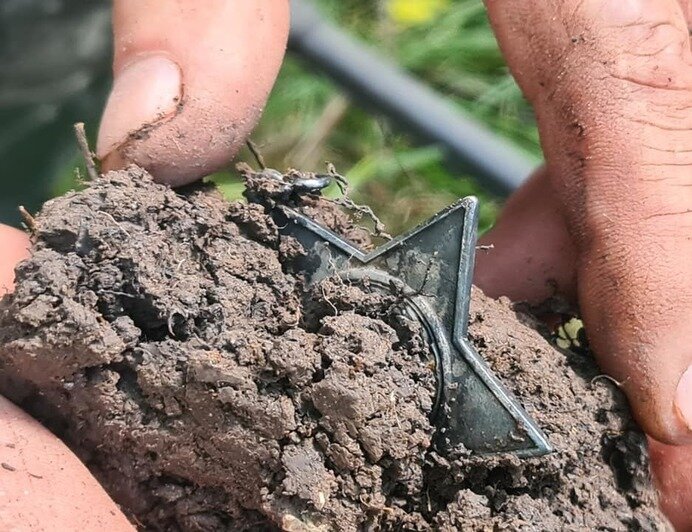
(609,219)
(43,485)
(191,79)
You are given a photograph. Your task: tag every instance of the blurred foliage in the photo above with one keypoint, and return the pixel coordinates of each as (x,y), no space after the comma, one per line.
(308,121)
(448,44)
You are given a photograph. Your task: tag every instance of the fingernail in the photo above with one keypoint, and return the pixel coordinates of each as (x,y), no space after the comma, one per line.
(683,397)
(143,92)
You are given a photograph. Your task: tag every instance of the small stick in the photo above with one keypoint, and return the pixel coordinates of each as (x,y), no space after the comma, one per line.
(29,220)
(87,154)
(256,154)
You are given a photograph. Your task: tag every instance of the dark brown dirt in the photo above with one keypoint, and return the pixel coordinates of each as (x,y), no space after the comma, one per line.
(164,336)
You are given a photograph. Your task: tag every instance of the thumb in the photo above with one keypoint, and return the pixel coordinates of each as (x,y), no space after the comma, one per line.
(611,83)
(15,247)
(191,79)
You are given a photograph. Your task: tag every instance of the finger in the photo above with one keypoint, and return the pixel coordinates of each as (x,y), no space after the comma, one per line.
(530,255)
(611,83)
(672,468)
(44,486)
(14,246)
(191,79)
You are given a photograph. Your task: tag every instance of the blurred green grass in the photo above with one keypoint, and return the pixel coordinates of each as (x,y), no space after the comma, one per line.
(446,43)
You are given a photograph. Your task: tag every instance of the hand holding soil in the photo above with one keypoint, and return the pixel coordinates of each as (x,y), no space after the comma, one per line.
(607,221)
(168,338)
(48,486)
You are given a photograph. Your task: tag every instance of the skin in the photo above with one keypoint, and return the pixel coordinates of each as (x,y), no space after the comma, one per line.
(43,486)
(606,223)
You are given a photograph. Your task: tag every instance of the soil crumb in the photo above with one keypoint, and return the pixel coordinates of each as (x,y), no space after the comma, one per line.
(166,338)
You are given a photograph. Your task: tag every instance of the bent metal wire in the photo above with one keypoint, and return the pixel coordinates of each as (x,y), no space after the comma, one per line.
(432,267)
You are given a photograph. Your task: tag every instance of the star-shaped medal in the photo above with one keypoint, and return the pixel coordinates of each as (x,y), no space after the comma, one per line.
(432,267)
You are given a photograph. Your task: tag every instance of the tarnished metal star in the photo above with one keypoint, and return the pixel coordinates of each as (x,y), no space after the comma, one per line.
(432,266)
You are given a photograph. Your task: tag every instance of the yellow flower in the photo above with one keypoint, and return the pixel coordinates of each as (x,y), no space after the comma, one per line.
(412,12)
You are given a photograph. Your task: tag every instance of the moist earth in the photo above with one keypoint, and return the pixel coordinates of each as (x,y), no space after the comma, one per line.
(167,338)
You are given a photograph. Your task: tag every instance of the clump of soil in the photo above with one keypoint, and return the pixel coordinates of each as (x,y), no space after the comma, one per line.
(167,338)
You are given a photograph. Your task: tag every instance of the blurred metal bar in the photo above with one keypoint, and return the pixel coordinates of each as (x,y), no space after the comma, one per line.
(55,65)
(376,83)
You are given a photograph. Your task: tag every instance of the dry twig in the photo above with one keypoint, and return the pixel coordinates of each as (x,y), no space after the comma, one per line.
(29,220)
(87,154)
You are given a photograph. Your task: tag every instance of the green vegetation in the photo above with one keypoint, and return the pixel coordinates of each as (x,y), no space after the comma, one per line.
(447,43)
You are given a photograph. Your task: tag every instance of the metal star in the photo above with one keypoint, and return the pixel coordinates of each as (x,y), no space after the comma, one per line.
(432,266)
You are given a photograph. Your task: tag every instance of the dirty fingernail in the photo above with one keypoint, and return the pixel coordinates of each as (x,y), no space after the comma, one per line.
(144,92)
(683,397)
